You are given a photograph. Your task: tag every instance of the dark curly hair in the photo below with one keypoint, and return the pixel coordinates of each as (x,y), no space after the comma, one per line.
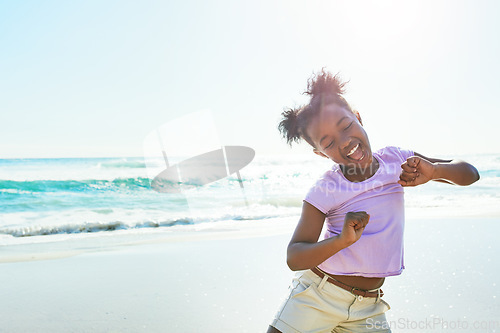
(324,88)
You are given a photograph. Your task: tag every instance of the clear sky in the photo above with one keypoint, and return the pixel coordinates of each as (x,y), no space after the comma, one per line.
(93,78)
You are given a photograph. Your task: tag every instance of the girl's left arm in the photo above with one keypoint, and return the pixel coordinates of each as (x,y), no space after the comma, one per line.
(419,169)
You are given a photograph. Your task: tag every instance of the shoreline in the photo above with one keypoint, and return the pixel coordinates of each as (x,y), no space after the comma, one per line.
(46,247)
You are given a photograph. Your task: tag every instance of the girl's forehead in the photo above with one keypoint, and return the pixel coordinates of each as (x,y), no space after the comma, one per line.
(333,110)
(327,120)
(330,116)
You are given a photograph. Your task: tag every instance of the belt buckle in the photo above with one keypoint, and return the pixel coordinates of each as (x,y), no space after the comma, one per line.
(359,297)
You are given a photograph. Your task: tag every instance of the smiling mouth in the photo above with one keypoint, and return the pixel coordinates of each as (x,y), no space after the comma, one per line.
(356,153)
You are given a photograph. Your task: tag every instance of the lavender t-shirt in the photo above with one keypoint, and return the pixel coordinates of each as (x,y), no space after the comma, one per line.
(379,251)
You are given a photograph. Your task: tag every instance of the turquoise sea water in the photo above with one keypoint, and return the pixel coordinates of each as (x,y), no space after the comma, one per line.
(82,195)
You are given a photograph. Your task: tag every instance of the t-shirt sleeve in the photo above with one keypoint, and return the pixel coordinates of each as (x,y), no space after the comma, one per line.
(317,196)
(404,154)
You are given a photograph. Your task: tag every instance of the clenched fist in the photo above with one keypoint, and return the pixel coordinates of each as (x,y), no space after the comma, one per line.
(354,225)
(416,171)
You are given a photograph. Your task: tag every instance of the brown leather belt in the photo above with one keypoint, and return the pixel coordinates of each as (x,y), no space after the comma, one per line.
(353,290)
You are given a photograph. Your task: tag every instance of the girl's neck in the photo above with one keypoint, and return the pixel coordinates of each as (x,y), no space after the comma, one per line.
(358,174)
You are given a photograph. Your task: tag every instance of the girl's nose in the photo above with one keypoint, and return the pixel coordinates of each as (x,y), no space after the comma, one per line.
(345,143)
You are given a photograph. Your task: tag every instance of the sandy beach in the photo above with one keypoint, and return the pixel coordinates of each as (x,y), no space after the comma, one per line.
(183,281)
(233,279)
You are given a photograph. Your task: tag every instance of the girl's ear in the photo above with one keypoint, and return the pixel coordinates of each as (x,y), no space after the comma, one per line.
(358,116)
(317,152)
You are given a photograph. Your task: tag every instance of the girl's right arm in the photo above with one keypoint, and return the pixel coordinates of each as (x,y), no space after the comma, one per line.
(305,252)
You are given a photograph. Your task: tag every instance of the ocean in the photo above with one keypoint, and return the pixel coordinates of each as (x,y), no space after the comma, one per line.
(51,196)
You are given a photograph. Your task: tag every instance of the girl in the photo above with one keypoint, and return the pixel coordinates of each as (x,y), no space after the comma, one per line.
(361,198)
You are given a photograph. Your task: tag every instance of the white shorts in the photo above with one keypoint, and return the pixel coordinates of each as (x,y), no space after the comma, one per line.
(316,305)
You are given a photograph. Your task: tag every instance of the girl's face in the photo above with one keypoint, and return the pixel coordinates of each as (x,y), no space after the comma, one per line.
(337,133)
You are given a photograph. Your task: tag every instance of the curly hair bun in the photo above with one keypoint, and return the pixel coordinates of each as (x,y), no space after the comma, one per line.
(325,83)
(289,127)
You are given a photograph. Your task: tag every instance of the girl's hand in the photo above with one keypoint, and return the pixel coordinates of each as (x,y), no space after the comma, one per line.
(354,225)
(416,171)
